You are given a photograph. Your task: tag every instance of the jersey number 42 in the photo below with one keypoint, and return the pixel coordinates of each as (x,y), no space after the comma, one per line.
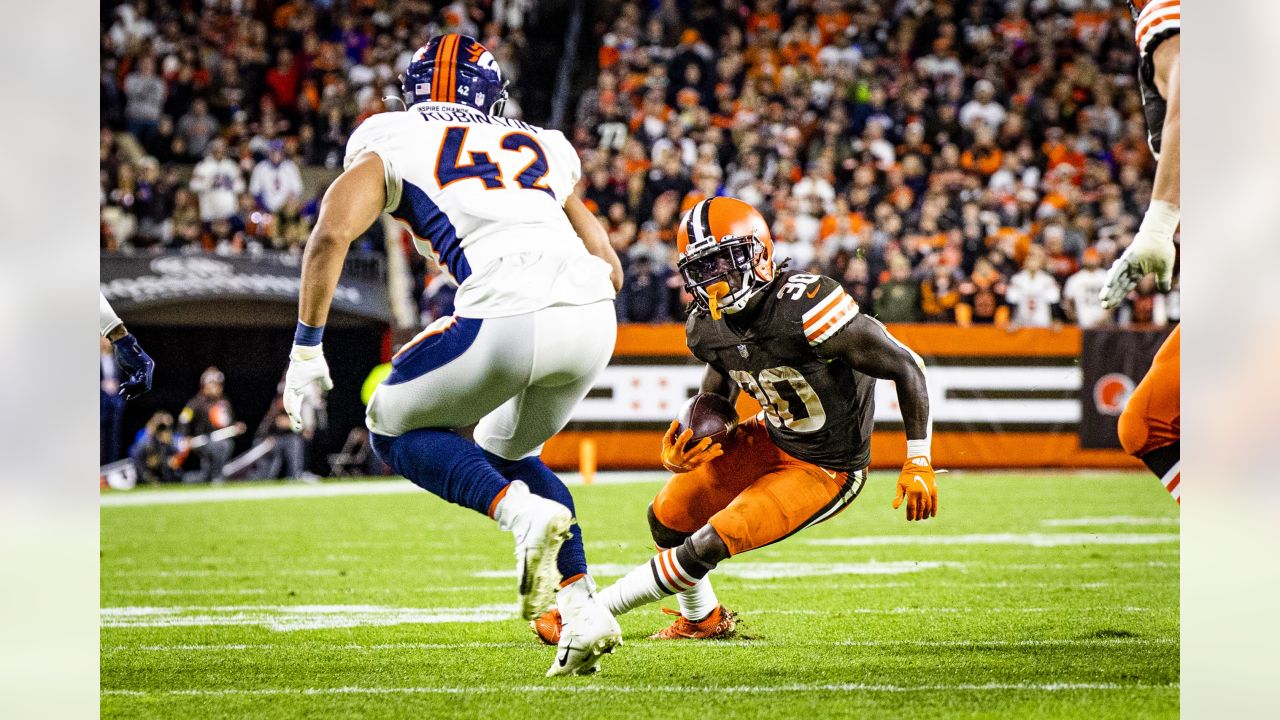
(450,169)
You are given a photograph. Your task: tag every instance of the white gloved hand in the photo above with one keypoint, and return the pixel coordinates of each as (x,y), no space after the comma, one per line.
(1152,251)
(306,365)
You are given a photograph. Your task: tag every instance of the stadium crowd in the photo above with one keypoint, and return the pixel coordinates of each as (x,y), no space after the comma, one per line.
(966,162)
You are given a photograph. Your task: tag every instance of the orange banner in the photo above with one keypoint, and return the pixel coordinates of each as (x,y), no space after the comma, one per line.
(974,441)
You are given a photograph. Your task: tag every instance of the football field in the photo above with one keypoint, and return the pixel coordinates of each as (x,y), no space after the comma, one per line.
(1030,595)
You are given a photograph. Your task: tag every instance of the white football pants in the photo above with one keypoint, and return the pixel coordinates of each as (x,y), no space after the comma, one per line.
(517,378)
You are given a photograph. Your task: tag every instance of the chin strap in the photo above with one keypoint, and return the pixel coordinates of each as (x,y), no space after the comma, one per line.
(714,293)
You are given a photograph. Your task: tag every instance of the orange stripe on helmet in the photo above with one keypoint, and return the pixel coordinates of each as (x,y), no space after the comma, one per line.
(451,69)
(438,62)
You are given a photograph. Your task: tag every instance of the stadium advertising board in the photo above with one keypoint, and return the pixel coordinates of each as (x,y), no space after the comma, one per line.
(1113,363)
(133,283)
(998,399)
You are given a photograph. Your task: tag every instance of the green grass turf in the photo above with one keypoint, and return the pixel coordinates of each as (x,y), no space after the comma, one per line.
(1085,630)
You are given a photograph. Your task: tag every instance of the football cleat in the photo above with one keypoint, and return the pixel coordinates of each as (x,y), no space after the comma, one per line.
(541,526)
(588,631)
(719,625)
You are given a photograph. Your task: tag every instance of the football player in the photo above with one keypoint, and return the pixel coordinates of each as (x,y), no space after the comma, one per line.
(799,345)
(137,365)
(1150,426)
(491,199)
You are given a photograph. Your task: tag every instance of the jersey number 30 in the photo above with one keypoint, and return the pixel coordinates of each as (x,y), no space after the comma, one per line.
(772,390)
(449,168)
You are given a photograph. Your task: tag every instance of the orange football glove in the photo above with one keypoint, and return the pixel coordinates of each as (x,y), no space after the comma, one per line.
(679,458)
(916,483)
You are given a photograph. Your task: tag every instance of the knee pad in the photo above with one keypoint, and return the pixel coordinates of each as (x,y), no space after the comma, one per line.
(663,536)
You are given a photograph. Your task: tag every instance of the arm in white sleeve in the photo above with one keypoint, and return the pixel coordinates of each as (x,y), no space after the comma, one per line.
(108,320)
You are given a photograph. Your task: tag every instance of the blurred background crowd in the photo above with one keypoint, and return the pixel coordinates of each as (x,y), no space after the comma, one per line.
(967,162)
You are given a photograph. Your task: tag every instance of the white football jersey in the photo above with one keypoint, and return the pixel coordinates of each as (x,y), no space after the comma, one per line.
(484,196)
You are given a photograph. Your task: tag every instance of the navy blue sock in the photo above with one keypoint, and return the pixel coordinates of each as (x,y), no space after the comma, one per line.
(544,483)
(444,463)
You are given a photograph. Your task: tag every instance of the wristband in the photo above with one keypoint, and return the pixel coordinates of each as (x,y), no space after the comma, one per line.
(1161,219)
(307,335)
(918,448)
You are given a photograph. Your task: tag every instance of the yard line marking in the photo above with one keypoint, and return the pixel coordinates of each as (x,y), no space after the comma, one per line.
(326,489)
(163,592)
(1112,520)
(285,618)
(1028,539)
(533,646)
(949,610)
(314,572)
(648,689)
(770,570)
(1076,566)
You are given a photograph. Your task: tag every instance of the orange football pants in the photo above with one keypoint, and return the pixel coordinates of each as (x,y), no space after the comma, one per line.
(1152,417)
(755,494)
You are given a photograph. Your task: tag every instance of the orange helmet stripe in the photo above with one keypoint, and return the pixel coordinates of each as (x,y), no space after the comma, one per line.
(451,69)
(436,78)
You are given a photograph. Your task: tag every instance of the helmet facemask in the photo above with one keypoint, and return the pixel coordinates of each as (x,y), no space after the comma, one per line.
(724,276)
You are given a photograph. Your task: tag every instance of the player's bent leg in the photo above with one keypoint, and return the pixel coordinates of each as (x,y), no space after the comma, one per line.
(784,502)
(697,604)
(667,573)
(570,347)
(1150,426)
(572,561)
(450,376)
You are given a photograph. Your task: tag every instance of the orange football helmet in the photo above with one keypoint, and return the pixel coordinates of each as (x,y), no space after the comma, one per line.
(725,254)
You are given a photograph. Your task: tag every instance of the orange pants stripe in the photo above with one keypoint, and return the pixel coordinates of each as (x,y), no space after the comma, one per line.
(755,494)
(1152,417)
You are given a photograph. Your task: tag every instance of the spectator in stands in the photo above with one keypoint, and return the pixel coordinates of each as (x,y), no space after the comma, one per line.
(940,294)
(1033,292)
(288,449)
(983,109)
(276,179)
(897,300)
(217,182)
(155,454)
(144,93)
(1080,294)
(982,297)
(204,414)
(1145,306)
(644,295)
(197,129)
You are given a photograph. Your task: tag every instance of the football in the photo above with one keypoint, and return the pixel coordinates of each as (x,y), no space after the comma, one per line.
(709,415)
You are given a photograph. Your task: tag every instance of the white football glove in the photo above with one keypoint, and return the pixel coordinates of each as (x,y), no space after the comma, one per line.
(306,365)
(1152,251)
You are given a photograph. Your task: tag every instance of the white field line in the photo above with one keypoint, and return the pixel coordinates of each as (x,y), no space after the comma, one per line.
(287,618)
(166,592)
(713,644)
(769,570)
(953,610)
(1041,540)
(647,689)
(1112,520)
(229,493)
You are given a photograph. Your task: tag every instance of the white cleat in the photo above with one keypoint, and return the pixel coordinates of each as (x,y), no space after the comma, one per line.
(589,631)
(541,526)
